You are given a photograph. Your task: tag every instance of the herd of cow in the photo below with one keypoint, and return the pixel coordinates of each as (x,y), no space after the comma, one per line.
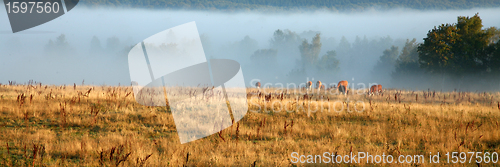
(341,87)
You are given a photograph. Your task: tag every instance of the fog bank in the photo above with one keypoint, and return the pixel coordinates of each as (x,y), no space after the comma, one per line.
(27,56)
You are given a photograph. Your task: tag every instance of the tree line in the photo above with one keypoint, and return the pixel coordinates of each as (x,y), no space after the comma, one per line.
(60,47)
(452,55)
(278,5)
(308,54)
(462,53)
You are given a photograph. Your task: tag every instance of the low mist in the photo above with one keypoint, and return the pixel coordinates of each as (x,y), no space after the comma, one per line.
(90,45)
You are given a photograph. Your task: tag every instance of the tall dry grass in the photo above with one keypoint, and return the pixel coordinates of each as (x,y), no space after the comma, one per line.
(103,126)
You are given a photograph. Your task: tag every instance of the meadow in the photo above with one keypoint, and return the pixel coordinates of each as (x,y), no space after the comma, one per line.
(84,125)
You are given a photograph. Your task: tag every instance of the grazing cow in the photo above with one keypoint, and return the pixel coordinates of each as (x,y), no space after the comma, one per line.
(342,89)
(319,85)
(309,85)
(342,86)
(257,84)
(375,89)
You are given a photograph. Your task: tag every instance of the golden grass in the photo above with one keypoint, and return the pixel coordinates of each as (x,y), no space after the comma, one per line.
(93,126)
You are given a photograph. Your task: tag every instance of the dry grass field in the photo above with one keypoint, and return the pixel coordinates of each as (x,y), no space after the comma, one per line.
(104,126)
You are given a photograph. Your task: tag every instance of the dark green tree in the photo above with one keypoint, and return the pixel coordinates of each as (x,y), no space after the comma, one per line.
(470,49)
(435,54)
(494,57)
(458,49)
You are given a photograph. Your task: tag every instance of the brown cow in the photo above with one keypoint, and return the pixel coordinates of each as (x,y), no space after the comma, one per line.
(309,85)
(373,89)
(342,86)
(319,85)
